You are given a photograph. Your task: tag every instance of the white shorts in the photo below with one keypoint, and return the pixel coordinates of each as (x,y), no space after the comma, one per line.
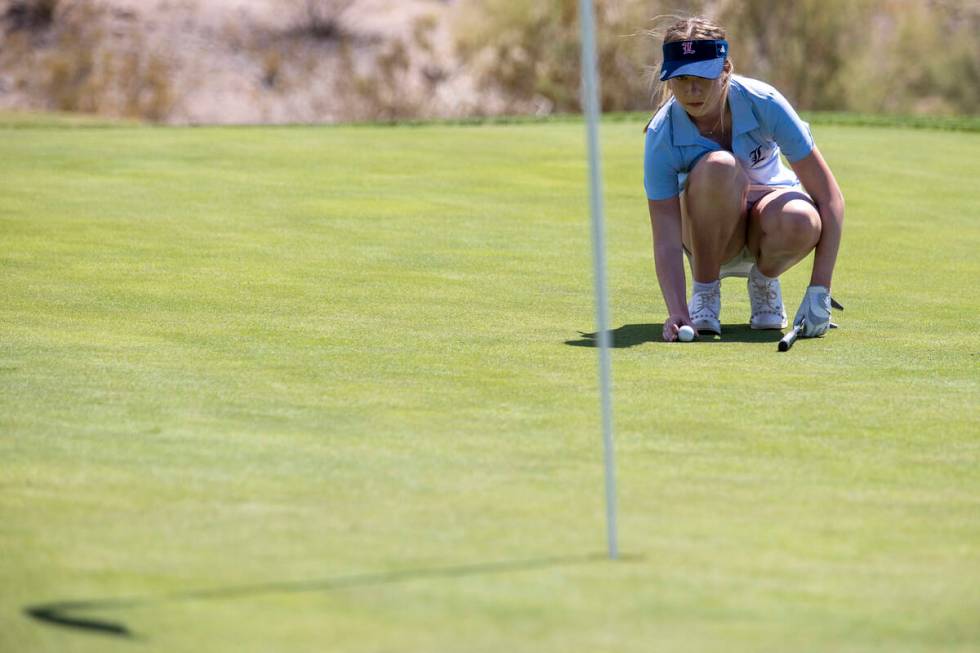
(738,266)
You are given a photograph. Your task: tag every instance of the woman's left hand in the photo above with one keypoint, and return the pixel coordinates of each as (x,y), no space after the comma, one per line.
(814,312)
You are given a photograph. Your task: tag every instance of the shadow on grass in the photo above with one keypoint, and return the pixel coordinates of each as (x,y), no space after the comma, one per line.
(66,613)
(632,335)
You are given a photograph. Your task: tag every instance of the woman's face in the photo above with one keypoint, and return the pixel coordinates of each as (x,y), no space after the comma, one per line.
(699,96)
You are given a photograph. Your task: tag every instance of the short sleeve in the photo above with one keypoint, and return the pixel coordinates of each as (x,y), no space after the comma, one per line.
(660,163)
(789,131)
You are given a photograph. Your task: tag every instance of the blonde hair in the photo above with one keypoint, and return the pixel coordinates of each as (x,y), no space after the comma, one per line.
(696,28)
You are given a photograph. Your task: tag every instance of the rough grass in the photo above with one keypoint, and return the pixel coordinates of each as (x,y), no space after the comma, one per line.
(317,389)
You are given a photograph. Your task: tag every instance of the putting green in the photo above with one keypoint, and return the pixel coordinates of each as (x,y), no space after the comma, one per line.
(332,389)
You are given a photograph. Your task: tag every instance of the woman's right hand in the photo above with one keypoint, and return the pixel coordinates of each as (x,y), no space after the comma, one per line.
(668,257)
(673,324)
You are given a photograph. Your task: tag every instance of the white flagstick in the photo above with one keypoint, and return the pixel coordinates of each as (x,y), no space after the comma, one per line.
(590,100)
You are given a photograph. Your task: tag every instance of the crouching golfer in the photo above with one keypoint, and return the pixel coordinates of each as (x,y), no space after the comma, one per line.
(719,192)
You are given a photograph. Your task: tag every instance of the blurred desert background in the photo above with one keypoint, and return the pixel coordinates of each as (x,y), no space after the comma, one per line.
(313,61)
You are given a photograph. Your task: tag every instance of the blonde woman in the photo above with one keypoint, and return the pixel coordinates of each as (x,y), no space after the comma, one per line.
(719,193)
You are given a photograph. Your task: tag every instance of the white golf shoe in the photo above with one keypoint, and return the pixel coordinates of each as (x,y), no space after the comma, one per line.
(705,309)
(766,297)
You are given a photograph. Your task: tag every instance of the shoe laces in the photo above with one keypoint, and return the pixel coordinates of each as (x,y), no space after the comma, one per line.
(766,293)
(704,301)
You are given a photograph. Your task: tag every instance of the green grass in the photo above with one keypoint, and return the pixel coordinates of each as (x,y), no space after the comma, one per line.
(323,389)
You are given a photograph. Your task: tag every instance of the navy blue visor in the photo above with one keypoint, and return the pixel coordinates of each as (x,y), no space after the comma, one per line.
(694,58)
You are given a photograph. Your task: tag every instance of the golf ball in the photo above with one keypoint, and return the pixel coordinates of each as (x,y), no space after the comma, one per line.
(685,333)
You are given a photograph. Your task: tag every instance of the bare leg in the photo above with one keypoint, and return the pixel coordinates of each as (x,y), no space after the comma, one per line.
(783,228)
(714,213)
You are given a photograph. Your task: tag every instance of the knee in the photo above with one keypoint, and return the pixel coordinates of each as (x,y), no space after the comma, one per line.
(716,171)
(798,226)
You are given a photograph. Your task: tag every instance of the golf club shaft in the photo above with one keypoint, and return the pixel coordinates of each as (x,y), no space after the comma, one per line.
(791,337)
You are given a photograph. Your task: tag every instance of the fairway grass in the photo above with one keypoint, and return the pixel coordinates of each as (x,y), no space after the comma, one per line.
(334,389)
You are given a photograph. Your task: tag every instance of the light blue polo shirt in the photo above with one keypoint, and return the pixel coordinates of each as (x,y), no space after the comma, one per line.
(763,124)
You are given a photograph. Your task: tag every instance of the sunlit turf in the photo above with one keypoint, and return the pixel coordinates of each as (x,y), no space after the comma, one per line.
(327,389)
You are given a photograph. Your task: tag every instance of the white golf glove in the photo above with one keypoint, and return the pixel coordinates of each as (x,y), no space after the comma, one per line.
(814,311)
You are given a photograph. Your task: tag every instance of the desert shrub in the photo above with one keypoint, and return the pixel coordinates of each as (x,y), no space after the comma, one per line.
(320,19)
(804,47)
(84,70)
(529,52)
(401,77)
(29,14)
(923,57)
(874,55)
(384,88)
(359,75)
(272,68)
